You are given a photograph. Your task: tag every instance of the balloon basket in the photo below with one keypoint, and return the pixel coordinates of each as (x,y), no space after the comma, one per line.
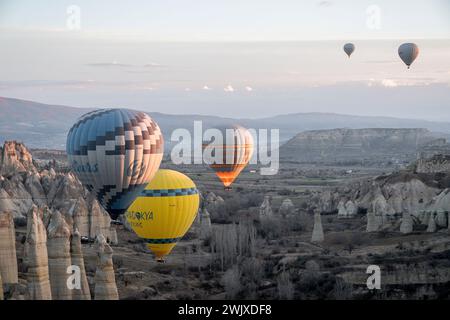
(227,188)
(160,260)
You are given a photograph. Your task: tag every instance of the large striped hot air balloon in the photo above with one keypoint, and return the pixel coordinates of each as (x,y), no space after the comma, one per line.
(115,153)
(228,153)
(164,212)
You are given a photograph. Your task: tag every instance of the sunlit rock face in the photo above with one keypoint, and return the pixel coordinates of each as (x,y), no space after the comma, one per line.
(83,292)
(59,259)
(14,157)
(105,282)
(8,259)
(36,256)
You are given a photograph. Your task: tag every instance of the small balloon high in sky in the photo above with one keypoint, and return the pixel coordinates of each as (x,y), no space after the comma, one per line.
(408,52)
(349,48)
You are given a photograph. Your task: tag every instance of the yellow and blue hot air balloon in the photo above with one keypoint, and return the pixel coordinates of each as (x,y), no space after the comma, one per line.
(115,153)
(164,211)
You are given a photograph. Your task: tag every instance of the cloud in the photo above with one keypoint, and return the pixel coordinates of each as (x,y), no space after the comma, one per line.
(325,3)
(205,87)
(389,83)
(380,61)
(110,64)
(228,88)
(249,89)
(152,65)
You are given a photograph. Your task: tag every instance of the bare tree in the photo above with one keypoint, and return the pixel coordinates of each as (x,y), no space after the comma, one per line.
(231,281)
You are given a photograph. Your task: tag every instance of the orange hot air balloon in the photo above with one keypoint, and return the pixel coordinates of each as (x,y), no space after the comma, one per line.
(227,152)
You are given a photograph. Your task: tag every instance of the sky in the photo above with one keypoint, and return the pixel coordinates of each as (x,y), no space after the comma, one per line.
(234,58)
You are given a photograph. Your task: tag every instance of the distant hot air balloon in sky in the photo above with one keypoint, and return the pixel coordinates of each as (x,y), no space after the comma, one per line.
(164,212)
(115,153)
(229,154)
(408,52)
(349,48)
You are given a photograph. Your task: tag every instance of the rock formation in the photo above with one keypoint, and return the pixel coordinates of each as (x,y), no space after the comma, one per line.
(33,186)
(317,234)
(205,224)
(113,240)
(80,216)
(99,220)
(265,210)
(287,207)
(431,223)
(367,146)
(59,260)
(8,259)
(351,209)
(38,281)
(441,217)
(83,292)
(105,282)
(436,164)
(15,157)
(213,203)
(342,211)
(372,223)
(1,288)
(407,223)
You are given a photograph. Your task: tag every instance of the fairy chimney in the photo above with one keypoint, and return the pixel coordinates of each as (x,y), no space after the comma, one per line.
(81,290)
(58,246)
(105,282)
(317,234)
(372,222)
(265,210)
(8,259)
(431,223)
(38,280)
(407,222)
(205,224)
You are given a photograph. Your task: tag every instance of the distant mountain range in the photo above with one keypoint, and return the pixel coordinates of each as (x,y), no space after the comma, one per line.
(45,126)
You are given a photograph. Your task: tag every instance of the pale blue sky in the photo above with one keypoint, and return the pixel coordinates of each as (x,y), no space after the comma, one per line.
(213,20)
(198,56)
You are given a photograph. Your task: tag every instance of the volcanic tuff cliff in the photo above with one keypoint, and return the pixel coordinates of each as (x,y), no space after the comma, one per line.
(349,146)
(54,206)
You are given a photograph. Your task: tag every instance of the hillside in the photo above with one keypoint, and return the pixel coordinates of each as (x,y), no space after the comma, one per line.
(350,146)
(45,126)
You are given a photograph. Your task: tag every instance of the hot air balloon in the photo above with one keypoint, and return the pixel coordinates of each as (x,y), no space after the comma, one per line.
(349,48)
(115,153)
(408,52)
(228,153)
(164,211)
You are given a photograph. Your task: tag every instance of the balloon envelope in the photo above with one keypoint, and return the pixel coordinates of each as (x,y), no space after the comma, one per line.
(349,48)
(115,153)
(229,154)
(408,52)
(165,210)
